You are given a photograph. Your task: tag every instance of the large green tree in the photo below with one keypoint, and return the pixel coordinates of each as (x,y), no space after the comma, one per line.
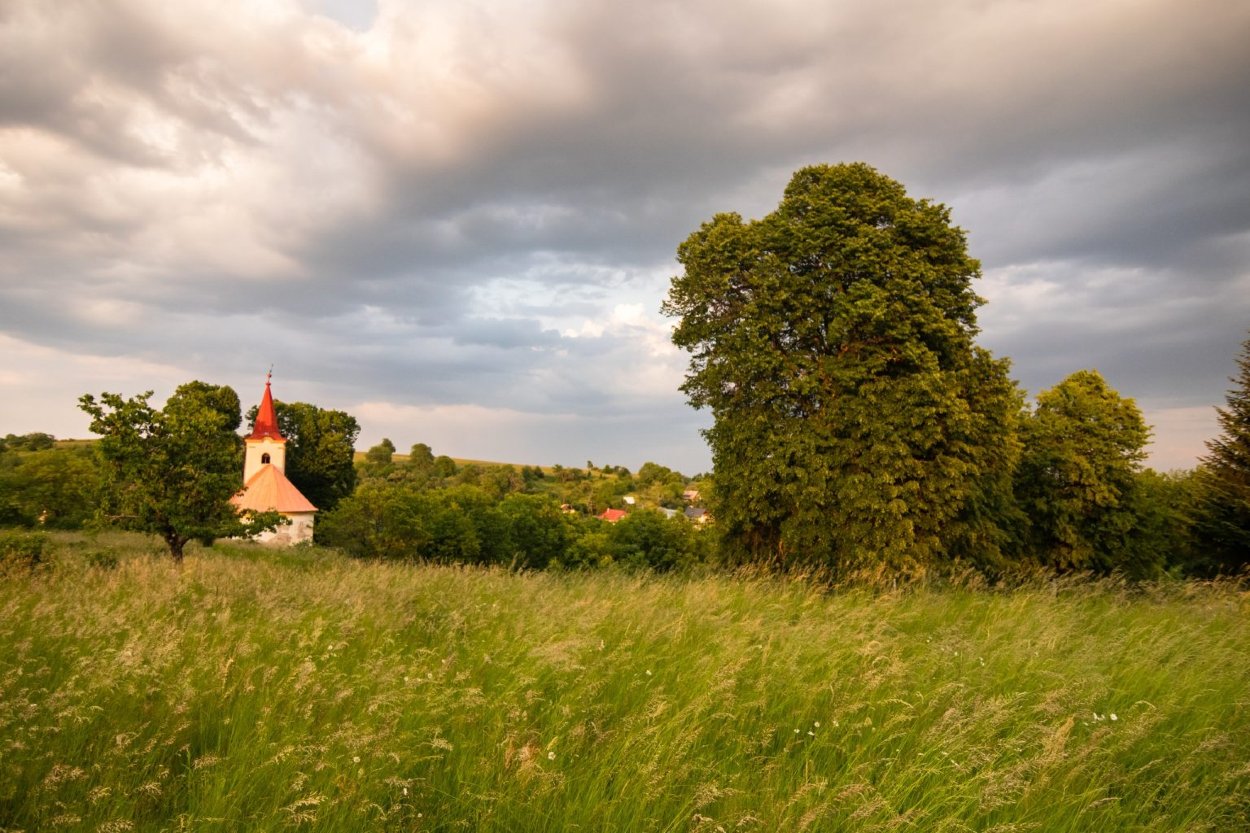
(1222,522)
(172,471)
(1083,447)
(856,424)
(321,446)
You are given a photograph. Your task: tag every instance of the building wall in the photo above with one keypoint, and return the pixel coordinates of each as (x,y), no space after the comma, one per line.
(298,531)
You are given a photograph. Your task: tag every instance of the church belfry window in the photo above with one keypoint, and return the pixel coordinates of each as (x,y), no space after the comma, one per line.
(264,459)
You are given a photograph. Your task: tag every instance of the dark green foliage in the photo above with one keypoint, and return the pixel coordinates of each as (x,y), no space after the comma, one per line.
(378,462)
(647,538)
(378,520)
(320,450)
(382,453)
(21,551)
(500,481)
(172,471)
(458,524)
(660,485)
(467,524)
(54,487)
(591,545)
(1083,446)
(421,458)
(462,527)
(856,424)
(470,474)
(10,512)
(1161,540)
(538,536)
(1222,517)
(444,466)
(652,473)
(36,441)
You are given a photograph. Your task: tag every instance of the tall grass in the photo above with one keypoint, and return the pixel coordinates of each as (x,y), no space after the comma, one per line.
(252,691)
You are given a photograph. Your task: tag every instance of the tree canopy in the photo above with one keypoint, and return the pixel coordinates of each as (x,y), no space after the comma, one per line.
(1083,446)
(855,422)
(172,471)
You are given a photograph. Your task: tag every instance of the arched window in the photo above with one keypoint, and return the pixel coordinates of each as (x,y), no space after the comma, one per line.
(264,459)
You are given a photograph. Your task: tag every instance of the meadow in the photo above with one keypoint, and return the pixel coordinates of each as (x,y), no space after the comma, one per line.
(254,690)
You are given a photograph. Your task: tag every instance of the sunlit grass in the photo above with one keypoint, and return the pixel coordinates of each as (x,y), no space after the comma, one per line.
(248,691)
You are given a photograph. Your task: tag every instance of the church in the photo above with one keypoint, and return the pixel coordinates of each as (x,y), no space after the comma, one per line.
(265,487)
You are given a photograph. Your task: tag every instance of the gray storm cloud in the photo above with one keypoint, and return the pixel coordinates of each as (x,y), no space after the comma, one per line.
(453,216)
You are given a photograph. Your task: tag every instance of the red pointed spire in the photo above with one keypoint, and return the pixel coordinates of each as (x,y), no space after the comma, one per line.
(266,418)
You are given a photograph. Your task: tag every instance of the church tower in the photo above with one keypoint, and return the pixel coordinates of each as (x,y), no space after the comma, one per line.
(265,445)
(265,487)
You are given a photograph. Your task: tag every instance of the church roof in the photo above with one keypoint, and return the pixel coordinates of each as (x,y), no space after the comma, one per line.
(266,419)
(270,490)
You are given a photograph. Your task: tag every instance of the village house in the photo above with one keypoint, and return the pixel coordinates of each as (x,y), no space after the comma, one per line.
(265,487)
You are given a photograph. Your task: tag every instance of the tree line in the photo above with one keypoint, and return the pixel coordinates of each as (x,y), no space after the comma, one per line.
(171,471)
(857,425)
(857,428)
(430,508)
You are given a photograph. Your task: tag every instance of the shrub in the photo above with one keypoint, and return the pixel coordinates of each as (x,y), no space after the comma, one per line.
(21,550)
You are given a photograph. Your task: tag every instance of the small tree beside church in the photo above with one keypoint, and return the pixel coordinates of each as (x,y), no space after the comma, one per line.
(172,471)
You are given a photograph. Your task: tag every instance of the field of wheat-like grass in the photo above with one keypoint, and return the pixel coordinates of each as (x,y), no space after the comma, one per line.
(252,691)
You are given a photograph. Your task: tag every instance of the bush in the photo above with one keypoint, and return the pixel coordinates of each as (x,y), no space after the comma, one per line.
(21,550)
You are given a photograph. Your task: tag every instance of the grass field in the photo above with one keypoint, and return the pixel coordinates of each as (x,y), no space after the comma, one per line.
(255,691)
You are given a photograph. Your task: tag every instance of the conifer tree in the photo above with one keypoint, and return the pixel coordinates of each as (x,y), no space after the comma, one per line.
(1222,525)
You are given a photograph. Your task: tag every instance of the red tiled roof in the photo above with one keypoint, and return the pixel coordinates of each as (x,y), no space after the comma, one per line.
(612,515)
(270,490)
(266,419)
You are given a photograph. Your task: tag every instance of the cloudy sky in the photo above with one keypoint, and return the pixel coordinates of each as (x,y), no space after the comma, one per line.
(457,220)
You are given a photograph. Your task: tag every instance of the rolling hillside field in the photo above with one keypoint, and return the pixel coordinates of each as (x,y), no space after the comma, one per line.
(254,690)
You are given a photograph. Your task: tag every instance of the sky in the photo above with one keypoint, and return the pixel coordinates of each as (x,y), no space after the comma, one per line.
(457,221)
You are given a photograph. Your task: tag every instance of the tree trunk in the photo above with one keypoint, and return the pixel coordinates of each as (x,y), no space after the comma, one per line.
(176,544)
